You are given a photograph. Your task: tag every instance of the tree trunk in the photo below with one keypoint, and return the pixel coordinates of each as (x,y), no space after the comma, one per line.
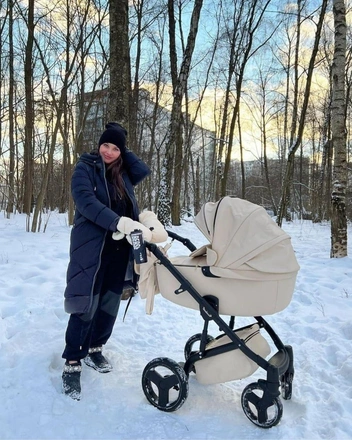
(29,128)
(243,170)
(265,163)
(120,69)
(133,125)
(325,173)
(11,175)
(338,128)
(177,119)
(44,184)
(294,122)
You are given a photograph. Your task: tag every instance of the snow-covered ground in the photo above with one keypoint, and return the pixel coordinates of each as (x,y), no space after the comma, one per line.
(317,323)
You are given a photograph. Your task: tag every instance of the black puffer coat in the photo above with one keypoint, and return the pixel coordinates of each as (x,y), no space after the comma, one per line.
(93,220)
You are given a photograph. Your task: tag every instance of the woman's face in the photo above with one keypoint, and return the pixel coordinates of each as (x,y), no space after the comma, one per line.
(109,152)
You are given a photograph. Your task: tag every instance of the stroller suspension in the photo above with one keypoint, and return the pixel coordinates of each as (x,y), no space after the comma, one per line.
(165,381)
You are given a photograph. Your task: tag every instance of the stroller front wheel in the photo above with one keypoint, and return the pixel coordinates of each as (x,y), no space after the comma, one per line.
(261,413)
(165,384)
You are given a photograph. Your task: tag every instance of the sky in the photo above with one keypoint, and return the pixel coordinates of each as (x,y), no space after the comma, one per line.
(317,323)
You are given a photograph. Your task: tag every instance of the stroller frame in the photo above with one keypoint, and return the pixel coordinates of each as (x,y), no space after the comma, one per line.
(260,400)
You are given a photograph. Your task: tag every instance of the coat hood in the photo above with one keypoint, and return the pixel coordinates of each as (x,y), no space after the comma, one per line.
(92,158)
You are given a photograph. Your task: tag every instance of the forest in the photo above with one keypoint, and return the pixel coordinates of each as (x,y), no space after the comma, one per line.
(248,98)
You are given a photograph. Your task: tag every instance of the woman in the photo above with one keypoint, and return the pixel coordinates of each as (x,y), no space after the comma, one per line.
(100,256)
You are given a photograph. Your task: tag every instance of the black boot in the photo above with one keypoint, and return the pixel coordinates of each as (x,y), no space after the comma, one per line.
(97,360)
(71,380)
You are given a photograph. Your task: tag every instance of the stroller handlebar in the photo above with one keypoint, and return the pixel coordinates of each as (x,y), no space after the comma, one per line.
(183,240)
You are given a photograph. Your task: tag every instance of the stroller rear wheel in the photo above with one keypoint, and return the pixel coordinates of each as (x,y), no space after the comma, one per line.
(286,379)
(261,414)
(286,385)
(165,384)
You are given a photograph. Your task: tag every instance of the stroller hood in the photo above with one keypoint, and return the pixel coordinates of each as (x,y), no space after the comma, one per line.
(243,236)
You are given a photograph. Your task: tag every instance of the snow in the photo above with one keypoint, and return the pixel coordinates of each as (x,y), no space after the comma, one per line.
(317,323)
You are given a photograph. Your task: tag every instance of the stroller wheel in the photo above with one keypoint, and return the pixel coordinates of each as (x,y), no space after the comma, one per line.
(286,379)
(165,384)
(286,385)
(193,340)
(264,415)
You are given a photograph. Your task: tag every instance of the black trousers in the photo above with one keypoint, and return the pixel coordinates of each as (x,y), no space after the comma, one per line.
(93,329)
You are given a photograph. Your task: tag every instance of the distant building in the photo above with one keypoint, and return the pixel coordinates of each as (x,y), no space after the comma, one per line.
(149,115)
(95,107)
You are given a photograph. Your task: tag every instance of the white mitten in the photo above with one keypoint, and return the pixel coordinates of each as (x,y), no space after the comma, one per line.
(150,220)
(118,235)
(126,225)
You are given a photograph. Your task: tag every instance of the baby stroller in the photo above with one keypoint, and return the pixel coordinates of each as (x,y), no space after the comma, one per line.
(248,269)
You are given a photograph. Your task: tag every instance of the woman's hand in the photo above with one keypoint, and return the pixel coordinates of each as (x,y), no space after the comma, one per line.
(150,221)
(126,225)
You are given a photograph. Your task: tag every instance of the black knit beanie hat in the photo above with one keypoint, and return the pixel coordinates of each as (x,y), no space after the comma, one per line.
(114,134)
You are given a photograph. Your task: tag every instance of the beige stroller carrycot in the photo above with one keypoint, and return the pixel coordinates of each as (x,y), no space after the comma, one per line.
(247,269)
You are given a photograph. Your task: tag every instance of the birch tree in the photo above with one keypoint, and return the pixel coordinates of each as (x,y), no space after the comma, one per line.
(338,128)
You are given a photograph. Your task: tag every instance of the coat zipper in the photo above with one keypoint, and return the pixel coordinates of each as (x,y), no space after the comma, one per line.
(102,246)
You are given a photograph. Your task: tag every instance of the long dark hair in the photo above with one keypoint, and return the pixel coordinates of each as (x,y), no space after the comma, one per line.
(114,172)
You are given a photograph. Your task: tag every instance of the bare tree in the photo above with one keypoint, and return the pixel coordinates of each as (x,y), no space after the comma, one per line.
(252,21)
(11,173)
(262,104)
(287,183)
(174,148)
(29,122)
(3,21)
(72,32)
(338,128)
